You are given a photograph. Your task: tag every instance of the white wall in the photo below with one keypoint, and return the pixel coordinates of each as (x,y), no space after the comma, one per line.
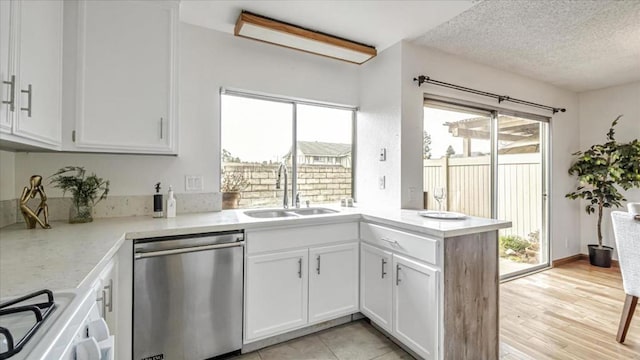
(598,109)
(378,127)
(7,176)
(208,60)
(417,60)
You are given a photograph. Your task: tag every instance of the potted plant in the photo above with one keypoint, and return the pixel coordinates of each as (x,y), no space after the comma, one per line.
(600,170)
(233,182)
(87,191)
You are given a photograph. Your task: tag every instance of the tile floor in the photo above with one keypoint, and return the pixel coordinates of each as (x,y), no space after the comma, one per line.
(354,341)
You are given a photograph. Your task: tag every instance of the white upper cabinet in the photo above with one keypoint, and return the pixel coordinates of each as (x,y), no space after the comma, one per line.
(7,76)
(333,281)
(31,71)
(126,95)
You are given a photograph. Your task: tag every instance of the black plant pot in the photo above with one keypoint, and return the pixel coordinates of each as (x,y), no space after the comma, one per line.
(600,256)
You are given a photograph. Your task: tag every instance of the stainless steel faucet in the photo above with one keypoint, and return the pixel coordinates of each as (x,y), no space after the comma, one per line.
(285,198)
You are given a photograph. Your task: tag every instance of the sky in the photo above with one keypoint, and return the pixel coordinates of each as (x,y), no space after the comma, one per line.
(260,130)
(440,137)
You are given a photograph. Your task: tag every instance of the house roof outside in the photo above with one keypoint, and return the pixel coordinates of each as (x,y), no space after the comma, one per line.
(316,148)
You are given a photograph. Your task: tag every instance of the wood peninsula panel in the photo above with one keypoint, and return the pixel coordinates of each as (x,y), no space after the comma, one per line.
(471,297)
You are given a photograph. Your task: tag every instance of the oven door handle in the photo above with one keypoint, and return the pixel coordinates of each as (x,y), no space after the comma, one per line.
(142,255)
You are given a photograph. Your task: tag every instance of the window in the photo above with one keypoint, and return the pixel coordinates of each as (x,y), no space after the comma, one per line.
(257,137)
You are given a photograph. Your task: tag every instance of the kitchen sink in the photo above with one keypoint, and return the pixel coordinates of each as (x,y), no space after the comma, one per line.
(266,214)
(281,213)
(313,211)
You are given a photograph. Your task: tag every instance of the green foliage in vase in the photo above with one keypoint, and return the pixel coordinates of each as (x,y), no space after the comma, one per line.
(84,189)
(601,169)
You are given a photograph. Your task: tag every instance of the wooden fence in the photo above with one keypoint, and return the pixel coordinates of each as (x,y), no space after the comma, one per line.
(468,187)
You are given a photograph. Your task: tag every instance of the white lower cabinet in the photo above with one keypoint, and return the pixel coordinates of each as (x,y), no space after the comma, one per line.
(299,276)
(375,285)
(276,293)
(333,281)
(401,296)
(415,308)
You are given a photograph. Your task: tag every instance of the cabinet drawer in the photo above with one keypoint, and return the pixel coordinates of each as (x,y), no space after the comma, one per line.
(297,237)
(416,246)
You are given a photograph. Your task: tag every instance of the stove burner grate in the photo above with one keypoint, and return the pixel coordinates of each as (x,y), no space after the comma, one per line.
(40,311)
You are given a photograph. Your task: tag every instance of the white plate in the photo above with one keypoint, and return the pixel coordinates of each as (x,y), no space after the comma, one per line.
(442,215)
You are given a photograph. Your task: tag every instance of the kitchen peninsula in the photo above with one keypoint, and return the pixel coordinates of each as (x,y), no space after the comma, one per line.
(450,267)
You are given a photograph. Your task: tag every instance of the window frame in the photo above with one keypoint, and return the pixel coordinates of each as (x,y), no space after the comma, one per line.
(294,119)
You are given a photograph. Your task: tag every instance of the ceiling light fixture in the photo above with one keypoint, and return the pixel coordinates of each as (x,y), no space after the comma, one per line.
(276,32)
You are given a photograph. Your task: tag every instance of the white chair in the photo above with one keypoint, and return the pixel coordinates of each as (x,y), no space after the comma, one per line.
(627,234)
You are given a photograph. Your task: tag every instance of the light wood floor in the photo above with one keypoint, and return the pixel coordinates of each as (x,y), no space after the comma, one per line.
(569,312)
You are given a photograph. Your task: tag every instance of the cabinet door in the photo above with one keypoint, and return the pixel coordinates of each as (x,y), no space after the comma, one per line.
(415,315)
(333,281)
(126,95)
(38,93)
(6,66)
(276,293)
(375,285)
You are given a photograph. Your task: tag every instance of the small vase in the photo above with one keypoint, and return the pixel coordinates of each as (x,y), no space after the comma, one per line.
(80,213)
(230,200)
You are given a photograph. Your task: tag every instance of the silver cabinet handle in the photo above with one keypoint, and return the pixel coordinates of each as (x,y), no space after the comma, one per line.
(392,242)
(161,127)
(318,268)
(12,93)
(398,275)
(102,300)
(300,268)
(29,93)
(105,304)
(383,264)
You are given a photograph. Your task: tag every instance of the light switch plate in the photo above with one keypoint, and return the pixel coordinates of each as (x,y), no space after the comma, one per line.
(194,183)
(381,182)
(383,154)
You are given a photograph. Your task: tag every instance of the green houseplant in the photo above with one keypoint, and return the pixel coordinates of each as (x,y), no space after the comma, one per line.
(600,171)
(86,191)
(233,182)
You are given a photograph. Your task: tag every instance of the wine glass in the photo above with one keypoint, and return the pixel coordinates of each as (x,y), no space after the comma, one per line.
(439,194)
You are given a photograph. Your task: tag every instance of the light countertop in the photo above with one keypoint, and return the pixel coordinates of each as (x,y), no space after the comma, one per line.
(65,256)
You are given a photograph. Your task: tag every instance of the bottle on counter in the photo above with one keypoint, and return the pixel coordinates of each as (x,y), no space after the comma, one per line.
(171,204)
(157,203)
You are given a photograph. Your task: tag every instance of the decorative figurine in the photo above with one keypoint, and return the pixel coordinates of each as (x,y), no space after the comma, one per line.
(31,217)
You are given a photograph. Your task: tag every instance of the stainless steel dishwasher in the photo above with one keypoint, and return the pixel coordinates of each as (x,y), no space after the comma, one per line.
(187,296)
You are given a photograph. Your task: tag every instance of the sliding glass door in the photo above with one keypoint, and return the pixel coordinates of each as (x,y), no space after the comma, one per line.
(488,163)
(521,194)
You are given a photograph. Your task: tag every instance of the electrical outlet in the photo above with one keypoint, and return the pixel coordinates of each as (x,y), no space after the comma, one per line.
(381,182)
(566,242)
(193,183)
(383,154)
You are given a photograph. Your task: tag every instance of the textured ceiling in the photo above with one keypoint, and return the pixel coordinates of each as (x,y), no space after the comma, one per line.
(578,45)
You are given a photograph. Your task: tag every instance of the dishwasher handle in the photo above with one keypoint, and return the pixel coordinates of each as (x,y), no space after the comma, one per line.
(142,255)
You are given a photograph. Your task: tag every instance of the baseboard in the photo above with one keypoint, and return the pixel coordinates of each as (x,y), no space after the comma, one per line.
(578,257)
(566,260)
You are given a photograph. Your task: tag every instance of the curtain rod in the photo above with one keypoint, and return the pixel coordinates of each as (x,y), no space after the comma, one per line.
(425,79)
